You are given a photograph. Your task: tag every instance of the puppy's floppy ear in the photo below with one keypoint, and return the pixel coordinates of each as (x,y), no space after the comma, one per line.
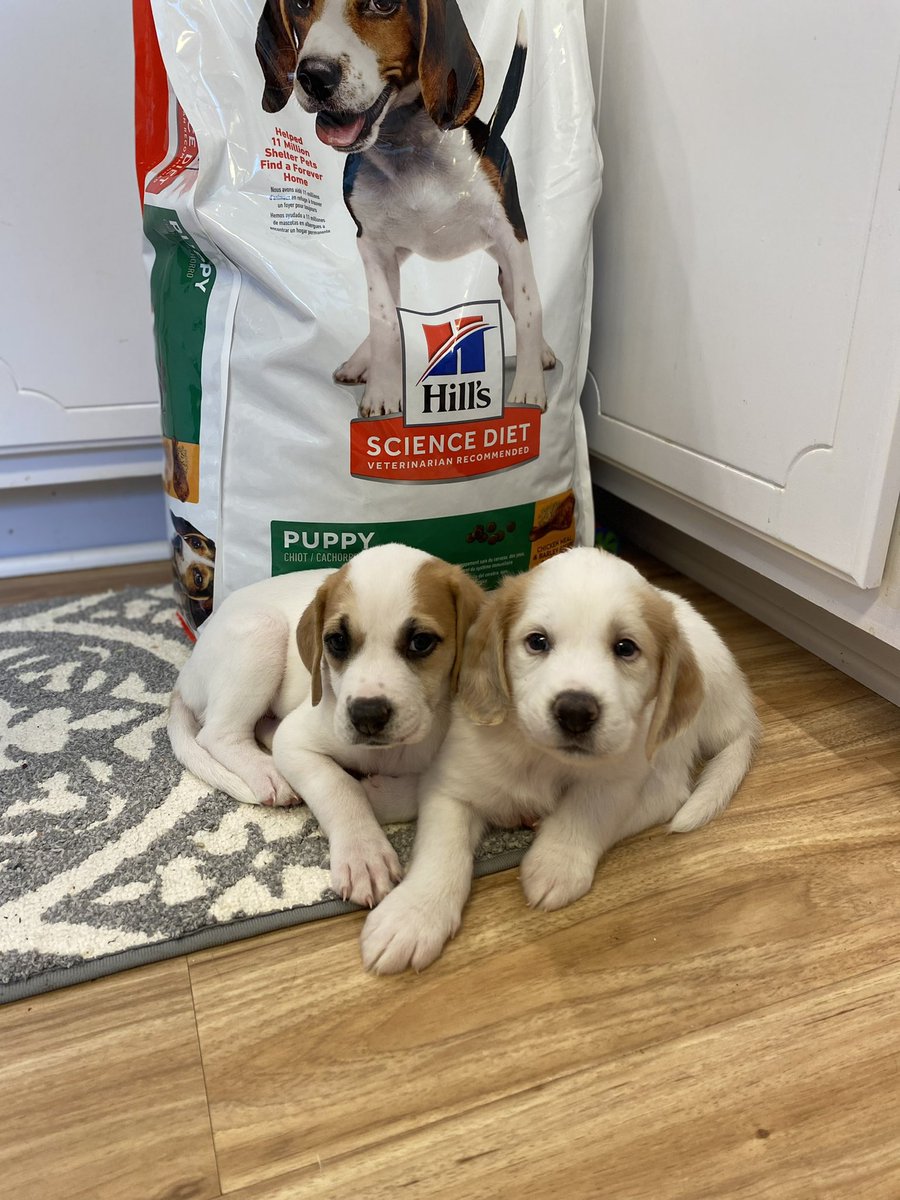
(484,690)
(276,49)
(309,636)
(468,598)
(450,69)
(680,688)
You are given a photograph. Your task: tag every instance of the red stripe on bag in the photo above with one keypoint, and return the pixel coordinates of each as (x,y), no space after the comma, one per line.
(151,95)
(184,155)
(187,629)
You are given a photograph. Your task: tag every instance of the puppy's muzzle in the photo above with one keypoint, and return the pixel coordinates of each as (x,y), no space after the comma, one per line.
(371,715)
(576,713)
(319,78)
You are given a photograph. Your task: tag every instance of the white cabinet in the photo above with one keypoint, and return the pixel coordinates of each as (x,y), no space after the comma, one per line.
(746,348)
(78,392)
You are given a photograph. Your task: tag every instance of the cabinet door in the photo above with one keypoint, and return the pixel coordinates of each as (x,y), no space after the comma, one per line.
(76,356)
(747,306)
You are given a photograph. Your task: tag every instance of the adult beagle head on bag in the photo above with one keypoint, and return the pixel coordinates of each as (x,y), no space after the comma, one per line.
(352,61)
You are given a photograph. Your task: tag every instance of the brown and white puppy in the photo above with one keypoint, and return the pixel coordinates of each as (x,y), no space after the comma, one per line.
(395,85)
(588,698)
(359,687)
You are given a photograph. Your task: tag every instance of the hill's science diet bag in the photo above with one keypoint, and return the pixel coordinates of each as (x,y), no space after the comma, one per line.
(368,230)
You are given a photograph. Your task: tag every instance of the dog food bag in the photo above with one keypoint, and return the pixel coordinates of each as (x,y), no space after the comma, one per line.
(368,234)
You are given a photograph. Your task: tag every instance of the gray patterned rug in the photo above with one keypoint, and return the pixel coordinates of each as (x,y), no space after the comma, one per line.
(111,854)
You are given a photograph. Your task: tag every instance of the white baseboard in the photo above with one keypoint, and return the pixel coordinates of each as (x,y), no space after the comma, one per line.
(857,654)
(43,466)
(83,560)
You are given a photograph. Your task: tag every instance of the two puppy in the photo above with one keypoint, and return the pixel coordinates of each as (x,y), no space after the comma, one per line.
(585,697)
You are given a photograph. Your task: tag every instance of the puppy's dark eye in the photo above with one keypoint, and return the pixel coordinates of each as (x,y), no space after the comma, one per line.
(198,579)
(626,648)
(337,643)
(537,643)
(384,8)
(302,5)
(421,644)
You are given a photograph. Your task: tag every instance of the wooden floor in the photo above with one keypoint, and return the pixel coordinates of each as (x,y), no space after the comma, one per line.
(719,1018)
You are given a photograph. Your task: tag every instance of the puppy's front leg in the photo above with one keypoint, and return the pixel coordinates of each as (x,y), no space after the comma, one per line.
(520,291)
(356,368)
(410,927)
(384,375)
(560,866)
(364,865)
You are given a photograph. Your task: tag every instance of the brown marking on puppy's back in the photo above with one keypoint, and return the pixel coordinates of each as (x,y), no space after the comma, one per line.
(679,689)
(500,174)
(484,689)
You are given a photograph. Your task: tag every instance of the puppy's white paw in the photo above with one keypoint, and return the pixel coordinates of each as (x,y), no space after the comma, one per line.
(352,372)
(365,870)
(274,791)
(356,368)
(379,404)
(406,930)
(528,389)
(552,876)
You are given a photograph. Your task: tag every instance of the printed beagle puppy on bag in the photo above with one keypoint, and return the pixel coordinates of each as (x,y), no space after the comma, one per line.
(395,85)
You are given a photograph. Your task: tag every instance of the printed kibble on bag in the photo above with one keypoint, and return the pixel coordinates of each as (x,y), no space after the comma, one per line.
(365,281)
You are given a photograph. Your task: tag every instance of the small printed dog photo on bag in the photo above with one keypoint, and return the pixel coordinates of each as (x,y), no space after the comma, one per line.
(194,571)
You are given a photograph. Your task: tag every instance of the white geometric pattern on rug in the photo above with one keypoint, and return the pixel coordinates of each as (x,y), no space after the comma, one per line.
(106,843)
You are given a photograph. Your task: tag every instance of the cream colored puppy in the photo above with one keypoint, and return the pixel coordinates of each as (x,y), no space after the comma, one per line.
(359,687)
(587,699)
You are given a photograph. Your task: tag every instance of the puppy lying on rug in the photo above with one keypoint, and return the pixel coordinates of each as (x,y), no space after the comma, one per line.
(380,645)
(587,699)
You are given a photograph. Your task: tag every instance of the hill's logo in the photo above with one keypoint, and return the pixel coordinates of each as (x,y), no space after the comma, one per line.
(452,368)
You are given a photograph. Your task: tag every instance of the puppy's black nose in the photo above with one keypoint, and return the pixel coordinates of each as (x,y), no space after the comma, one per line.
(370,715)
(319,77)
(575,712)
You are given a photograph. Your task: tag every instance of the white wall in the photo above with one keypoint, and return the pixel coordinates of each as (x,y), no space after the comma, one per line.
(78,392)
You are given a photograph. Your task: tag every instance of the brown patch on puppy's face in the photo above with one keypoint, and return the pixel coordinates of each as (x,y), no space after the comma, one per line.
(388,29)
(445,603)
(321,616)
(197,579)
(384,637)
(200,545)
